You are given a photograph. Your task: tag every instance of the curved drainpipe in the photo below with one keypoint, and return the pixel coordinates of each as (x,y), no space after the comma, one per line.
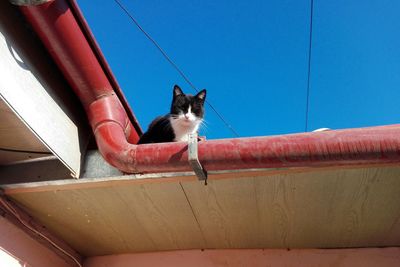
(64,32)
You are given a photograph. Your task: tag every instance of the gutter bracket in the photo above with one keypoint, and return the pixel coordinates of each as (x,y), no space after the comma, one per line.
(198,169)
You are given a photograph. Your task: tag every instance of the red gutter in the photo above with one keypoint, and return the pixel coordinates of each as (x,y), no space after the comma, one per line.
(62,34)
(92,41)
(72,49)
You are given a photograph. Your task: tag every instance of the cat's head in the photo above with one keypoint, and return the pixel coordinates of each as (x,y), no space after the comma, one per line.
(187,108)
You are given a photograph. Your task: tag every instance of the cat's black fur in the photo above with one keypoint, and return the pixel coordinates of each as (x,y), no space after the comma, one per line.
(175,124)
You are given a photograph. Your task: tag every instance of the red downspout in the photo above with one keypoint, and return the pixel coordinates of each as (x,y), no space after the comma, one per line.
(57,25)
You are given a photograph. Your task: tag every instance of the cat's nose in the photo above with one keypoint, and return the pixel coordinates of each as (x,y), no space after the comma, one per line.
(186,116)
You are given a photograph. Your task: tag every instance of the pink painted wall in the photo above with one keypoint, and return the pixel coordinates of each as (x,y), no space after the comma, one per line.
(367,257)
(23,247)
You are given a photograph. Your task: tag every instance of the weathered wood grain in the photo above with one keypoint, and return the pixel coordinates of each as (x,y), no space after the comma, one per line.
(321,209)
(343,208)
(101,221)
(226,212)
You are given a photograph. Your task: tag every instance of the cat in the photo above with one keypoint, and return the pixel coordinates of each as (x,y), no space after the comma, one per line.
(185,117)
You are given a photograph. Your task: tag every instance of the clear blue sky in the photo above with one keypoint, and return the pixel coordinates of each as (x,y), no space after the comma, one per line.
(252,57)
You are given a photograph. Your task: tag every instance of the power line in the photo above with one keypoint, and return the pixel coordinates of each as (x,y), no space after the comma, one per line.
(173,64)
(309,65)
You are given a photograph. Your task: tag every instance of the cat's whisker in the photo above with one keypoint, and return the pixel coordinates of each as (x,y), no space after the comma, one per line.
(205,128)
(203,121)
(204,124)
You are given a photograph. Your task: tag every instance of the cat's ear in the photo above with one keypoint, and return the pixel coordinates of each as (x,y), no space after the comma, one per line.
(177,91)
(202,95)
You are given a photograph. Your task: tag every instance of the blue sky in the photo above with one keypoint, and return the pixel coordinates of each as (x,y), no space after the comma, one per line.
(252,57)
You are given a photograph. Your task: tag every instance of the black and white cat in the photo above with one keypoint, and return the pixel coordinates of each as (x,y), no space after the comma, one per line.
(185,117)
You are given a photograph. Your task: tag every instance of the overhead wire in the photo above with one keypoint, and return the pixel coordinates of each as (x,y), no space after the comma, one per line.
(173,64)
(309,66)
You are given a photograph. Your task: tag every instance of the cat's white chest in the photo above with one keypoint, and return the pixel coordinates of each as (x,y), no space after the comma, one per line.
(183,128)
(184,137)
